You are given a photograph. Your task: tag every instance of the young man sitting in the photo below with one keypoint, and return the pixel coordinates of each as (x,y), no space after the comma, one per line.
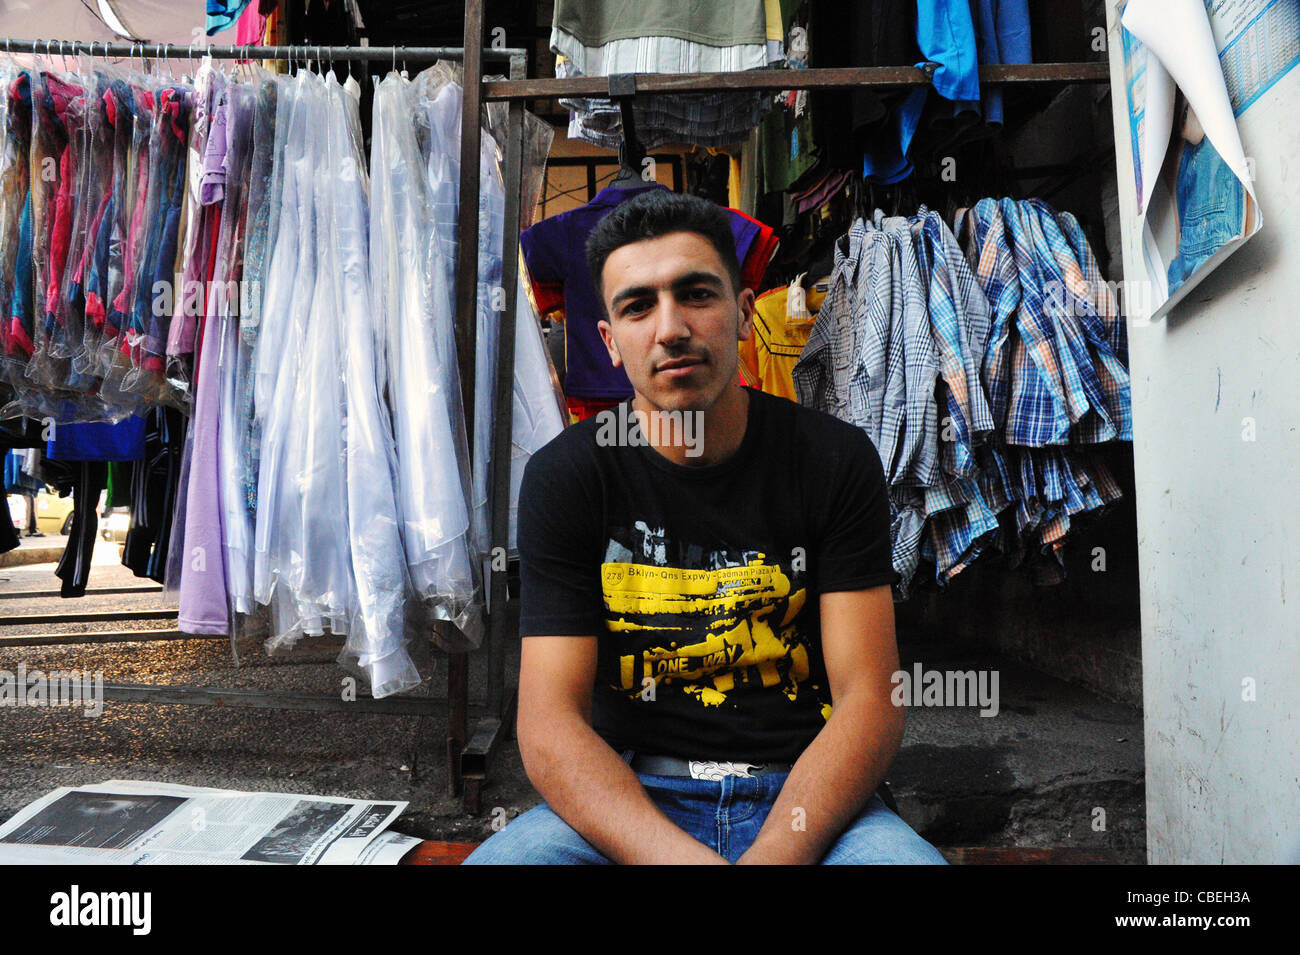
(706,610)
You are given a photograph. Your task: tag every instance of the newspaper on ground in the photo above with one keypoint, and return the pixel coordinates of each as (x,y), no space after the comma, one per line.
(130,822)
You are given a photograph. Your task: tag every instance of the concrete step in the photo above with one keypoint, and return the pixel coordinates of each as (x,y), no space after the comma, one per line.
(1054,766)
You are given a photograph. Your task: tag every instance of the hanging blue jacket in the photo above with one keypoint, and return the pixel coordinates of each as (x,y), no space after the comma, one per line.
(945,33)
(1003,37)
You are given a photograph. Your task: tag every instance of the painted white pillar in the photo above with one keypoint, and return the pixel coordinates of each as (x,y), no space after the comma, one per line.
(1216,407)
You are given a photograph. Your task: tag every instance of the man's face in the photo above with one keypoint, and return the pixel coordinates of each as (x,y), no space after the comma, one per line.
(674,320)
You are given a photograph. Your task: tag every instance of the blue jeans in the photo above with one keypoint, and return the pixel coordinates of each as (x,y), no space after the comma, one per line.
(725,815)
(1211,209)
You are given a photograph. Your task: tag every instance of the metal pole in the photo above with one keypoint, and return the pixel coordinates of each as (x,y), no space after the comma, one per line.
(817,78)
(466,335)
(503,413)
(159,51)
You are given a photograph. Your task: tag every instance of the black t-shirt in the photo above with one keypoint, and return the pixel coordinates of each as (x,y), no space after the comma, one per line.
(702,583)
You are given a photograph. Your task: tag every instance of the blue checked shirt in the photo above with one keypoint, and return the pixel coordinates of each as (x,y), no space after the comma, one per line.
(1062,284)
(1040,409)
(913,423)
(959,324)
(1090,302)
(995,271)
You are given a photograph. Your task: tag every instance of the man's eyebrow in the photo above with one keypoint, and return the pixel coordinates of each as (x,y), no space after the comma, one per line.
(696,277)
(635,291)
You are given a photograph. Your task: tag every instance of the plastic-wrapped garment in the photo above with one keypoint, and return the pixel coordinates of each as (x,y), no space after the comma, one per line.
(313,558)
(491,235)
(537,414)
(70,226)
(204,605)
(286,301)
(412,231)
(150,313)
(112,139)
(376,638)
(265,180)
(12,185)
(442,98)
(125,267)
(443,164)
(301,536)
(15,214)
(94,161)
(236,356)
(195,228)
(106,276)
(52,196)
(171,202)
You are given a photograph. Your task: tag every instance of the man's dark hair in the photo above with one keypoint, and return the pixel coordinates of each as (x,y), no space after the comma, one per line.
(653,214)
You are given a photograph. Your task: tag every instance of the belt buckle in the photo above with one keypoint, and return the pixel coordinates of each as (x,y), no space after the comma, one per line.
(714,771)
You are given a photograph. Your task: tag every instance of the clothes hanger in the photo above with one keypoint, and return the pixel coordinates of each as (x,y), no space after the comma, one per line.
(819,269)
(631,154)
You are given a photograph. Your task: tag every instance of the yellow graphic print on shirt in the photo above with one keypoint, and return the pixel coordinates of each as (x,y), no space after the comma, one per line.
(706,633)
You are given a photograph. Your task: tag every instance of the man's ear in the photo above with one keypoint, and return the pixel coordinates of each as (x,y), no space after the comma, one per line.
(607,335)
(745,303)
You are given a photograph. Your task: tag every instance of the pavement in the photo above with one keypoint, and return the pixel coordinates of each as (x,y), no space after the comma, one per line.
(1057,766)
(35,550)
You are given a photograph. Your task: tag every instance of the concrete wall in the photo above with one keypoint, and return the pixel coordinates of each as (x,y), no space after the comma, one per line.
(1219,520)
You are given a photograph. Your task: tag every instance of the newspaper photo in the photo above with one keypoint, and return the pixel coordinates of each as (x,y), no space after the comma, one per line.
(1195,186)
(126,822)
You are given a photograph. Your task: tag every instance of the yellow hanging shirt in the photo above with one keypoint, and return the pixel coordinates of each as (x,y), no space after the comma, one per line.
(768,358)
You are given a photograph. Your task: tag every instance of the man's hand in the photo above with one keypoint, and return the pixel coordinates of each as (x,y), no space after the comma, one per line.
(581,778)
(840,770)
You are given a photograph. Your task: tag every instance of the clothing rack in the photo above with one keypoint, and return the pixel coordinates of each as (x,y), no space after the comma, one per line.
(294,54)
(459,755)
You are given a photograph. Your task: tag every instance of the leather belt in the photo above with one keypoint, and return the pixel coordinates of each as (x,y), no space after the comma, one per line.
(702,768)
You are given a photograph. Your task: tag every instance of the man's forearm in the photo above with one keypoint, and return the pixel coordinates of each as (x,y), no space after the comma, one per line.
(592,789)
(830,783)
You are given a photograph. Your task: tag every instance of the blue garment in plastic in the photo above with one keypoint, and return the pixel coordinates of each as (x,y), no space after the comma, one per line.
(98,441)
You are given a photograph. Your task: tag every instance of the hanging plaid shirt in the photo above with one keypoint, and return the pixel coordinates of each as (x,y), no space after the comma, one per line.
(1061,279)
(995,271)
(911,369)
(959,319)
(1041,411)
(1092,304)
